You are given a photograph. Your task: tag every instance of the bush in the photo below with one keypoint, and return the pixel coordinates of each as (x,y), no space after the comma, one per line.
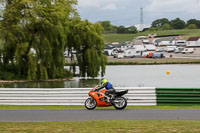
(166,27)
(153,29)
(192,26)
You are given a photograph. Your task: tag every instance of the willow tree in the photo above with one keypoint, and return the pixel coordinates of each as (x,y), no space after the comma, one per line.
(35,34)
(86,39)
(1,46)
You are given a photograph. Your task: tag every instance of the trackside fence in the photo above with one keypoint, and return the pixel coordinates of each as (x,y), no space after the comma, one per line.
(178,96)
(138,96)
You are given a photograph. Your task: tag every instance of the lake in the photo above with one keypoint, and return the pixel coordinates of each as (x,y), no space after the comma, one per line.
(181,76)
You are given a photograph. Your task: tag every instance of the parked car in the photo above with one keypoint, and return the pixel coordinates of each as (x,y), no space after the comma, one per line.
(158,55)
(150,47)
(120,55)
(149,55)
(188,50)
(179,50)
(170,48)
(162,49)
(132,53)
(181,43)
(139,48)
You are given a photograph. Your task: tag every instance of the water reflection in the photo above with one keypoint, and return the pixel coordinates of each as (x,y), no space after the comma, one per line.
(182,76)
(35,85)
(77,83)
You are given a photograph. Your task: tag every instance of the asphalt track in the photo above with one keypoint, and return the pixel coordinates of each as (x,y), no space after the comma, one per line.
(86,115)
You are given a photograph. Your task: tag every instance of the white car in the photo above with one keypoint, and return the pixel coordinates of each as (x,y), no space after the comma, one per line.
(163,49)
(171,48)
(179,50)
(120,55)
(188,50)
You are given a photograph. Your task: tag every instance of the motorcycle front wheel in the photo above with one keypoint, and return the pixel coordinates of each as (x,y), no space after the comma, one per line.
(90,104)
(120,103)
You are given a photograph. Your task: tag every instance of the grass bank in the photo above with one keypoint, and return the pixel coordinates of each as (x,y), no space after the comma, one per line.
(103,126)
(149,61)
(35,107)
(145,61)
(129,37)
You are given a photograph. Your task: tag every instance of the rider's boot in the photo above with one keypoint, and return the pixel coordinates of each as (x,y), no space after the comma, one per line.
(112,97)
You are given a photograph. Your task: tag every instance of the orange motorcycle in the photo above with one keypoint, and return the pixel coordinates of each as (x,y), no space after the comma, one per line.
(100,99)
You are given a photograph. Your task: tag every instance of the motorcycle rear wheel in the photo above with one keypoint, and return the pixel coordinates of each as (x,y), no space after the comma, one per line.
(90,105)
(121,104)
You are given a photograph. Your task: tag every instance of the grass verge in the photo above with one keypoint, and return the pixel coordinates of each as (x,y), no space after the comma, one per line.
(35,107)
(149,61)
(130,37)
(103,126)
(152,61)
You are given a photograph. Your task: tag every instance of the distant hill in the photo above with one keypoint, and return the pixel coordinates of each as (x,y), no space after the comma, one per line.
(129,37)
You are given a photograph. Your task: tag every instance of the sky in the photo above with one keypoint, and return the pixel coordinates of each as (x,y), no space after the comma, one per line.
(127,12)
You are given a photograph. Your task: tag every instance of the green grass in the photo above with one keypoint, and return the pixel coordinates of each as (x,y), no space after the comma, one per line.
(149,61)
(146,61)
(102,127)
(130,37)
(22,107)
(118,37)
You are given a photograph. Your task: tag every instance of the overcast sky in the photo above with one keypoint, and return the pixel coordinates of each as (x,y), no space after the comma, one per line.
(127,12)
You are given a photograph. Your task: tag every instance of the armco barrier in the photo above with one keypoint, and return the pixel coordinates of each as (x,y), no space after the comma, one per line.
(69,96)
(178,96)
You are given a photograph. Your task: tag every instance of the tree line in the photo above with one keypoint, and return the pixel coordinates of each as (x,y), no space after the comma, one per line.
(109,28)
(165,24)
(35,33)
(159,24)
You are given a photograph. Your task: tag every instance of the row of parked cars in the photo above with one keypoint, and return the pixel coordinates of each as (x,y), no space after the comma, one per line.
(175,49)
(132,53)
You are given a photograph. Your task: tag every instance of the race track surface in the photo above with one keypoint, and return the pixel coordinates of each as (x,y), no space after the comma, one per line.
(85,115)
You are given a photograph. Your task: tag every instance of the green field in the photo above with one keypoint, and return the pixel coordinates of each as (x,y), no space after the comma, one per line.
(129,37)
(102,127)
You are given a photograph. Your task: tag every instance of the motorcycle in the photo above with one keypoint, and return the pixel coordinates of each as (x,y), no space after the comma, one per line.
(100,99)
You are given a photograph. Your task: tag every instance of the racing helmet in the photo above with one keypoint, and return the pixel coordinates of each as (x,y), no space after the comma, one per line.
(103,81)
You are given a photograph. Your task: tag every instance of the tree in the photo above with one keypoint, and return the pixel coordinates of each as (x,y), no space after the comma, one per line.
(192,26)
(36,34)
(193,21)
(39,26)
(153,29)
(132,29)
(166,27)
(1,48)
(88,43)
(122,29)
(160,22)
(127,30)
(106,25)
(177,23)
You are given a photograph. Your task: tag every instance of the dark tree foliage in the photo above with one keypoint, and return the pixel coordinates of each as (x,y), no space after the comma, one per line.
(106,25)
(166,27)
(160,22)
(109,28)
(127,30)
(35,34)
(192,26)
(177,23)
(88,43)
(194,21)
